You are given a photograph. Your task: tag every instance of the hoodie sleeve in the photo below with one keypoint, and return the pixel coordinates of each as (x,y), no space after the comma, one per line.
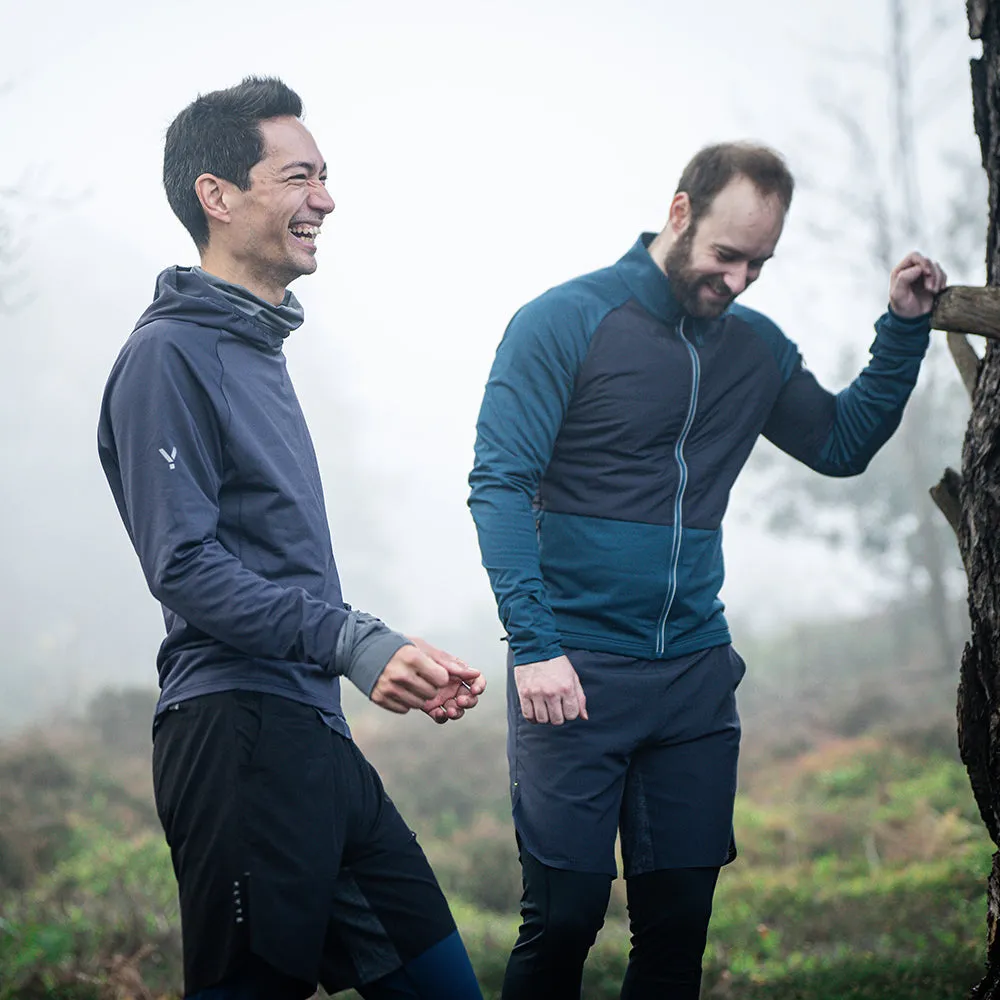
(839,434)
(162,444)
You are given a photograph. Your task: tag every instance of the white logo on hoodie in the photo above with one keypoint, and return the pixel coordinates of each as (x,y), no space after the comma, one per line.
(169,458)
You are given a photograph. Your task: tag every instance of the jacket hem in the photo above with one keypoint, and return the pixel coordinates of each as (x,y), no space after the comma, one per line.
(643,650)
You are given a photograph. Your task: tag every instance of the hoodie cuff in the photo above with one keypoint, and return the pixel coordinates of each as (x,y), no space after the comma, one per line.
(364,646)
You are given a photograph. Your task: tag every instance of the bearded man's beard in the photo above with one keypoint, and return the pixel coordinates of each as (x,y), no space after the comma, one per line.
(686,284)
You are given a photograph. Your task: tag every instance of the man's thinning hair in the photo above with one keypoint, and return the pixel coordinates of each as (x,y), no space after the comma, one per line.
(219,133)
(713,167)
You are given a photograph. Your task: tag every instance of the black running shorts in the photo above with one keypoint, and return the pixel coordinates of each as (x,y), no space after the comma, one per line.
(286,846)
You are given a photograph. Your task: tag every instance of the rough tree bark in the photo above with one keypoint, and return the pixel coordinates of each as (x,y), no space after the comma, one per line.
(979,498)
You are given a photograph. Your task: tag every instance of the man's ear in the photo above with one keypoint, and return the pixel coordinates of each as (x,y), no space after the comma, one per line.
(679,217)
(216,197)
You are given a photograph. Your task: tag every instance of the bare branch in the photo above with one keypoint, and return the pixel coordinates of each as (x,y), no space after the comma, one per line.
(966,360)
(945,495)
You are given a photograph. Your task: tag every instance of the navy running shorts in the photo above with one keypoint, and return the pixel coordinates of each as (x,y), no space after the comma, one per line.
(656,761)
(286,846)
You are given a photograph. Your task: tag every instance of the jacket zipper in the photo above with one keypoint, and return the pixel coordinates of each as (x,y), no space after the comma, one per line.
(682,469)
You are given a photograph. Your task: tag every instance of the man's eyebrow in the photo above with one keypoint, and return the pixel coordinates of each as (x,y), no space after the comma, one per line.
(725,248)
(303,165)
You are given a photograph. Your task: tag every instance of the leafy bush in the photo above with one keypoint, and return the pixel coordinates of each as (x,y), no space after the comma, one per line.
(100,920)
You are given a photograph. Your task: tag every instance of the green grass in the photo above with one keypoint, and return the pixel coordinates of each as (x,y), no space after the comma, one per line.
(862,874)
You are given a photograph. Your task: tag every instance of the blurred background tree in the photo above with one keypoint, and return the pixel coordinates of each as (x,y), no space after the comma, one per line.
(874,194)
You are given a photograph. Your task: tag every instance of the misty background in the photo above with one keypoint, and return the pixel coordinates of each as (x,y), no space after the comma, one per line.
(479,152)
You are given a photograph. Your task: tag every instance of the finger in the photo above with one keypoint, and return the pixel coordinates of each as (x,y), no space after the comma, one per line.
(581,699)
(439,715)
(411,686)
(570,706)
(908,275)
(444,659)
(554,706)
(527,709)
(465,700)
(474,688)
(429,671)
(450,707)
(541,711)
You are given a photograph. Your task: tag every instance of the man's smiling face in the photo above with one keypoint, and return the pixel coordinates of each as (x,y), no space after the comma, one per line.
(275,224)
(722,254)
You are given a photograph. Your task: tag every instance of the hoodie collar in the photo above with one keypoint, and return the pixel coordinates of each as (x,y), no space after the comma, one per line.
(648,283)
(183,295)
(277,319)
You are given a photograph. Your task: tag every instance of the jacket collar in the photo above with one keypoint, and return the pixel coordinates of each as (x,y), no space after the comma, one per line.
(648,283)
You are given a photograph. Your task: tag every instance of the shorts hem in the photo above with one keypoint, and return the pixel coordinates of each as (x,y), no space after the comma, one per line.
(563,863)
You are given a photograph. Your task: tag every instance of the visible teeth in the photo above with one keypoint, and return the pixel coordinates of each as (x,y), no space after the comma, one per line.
(306,232)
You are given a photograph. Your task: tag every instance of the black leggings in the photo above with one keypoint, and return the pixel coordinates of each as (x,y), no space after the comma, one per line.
(562,911)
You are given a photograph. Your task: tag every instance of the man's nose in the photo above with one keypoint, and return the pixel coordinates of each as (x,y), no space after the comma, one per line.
(320,199)
(736,278)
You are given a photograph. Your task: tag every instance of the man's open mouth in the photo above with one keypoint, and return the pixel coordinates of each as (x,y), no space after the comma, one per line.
(307,234)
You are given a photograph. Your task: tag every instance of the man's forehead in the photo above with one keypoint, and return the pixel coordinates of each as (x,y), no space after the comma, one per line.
(740,216)
(288,141)
(741,199)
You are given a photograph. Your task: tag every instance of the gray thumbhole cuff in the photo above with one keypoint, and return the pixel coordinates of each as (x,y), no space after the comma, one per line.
(365,645)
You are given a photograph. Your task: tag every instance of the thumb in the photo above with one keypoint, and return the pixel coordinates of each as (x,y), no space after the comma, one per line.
(462,671)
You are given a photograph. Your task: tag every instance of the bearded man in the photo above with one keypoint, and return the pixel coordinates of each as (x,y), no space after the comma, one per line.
(620,408)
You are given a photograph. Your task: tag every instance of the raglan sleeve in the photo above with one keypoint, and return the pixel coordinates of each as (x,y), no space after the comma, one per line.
(526,397)
(162,443)
(839,434)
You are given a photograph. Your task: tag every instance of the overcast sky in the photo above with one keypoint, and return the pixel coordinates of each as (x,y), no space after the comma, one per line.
(479,152)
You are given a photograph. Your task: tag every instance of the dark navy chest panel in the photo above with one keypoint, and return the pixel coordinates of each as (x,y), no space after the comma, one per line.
(656,406)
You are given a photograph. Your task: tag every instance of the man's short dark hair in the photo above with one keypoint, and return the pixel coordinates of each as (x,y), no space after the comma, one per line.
(219,133)
(713,167)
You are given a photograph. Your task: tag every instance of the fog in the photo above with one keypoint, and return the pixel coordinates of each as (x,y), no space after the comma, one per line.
(478,153)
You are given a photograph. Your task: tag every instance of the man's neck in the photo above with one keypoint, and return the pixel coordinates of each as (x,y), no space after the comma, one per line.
(229,270)
(659,249)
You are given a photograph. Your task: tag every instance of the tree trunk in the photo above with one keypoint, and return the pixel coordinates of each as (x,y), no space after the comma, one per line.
(979,528)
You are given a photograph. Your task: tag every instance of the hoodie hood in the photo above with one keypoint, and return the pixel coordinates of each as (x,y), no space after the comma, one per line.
(182,295)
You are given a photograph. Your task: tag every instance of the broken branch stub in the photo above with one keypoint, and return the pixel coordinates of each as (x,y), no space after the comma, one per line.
(968,309)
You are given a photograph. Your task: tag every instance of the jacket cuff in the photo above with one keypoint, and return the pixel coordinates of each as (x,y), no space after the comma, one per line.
(902,336)
(535,655)
(364,646)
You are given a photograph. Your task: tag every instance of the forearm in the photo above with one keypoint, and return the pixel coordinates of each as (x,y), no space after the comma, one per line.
(869,410)
(838,435)
(505,523)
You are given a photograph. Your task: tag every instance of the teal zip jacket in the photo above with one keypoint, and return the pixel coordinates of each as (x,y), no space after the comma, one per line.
(612,429)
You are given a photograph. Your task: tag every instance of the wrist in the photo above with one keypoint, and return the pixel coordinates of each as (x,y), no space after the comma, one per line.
(898,313)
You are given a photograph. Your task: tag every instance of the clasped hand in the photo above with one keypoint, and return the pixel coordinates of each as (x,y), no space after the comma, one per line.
(425,677)
(913,285)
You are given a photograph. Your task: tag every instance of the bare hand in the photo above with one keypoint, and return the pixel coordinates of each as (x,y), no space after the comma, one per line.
(462,691)
(913,284)
(409,680)
(550,691)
